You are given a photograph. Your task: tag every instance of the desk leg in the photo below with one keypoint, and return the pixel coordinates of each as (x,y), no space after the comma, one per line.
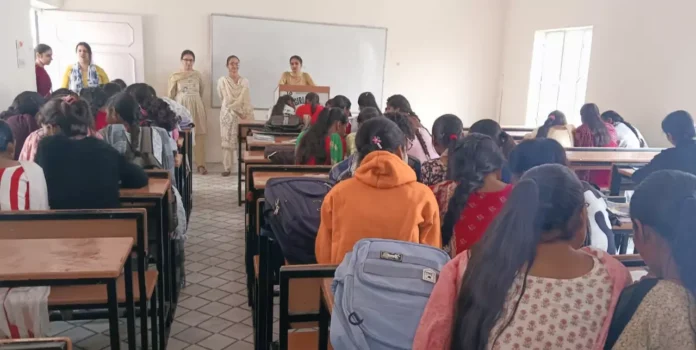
(161,281)
(324,318)
(239,167)
(130,308)
(113,314)
(142,304)
(153,320)
(262,298)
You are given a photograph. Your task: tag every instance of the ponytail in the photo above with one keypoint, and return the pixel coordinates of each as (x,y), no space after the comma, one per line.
(548,199)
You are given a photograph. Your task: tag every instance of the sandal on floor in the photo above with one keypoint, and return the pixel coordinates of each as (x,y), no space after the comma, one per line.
(226,173)
(202,172)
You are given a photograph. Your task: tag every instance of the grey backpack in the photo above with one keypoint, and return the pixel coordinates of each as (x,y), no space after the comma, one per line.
(380,291)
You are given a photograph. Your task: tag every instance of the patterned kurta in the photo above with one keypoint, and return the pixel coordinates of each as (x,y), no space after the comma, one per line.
(236,104)
(186,88)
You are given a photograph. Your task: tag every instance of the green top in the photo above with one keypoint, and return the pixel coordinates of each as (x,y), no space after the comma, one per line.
(335,146)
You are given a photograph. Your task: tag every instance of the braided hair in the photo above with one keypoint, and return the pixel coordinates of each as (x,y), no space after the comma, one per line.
(474,157)
(614,118)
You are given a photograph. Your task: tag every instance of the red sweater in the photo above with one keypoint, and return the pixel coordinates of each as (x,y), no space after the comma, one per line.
(306,109)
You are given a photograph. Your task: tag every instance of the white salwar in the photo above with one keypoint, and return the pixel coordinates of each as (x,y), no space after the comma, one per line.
(236,104)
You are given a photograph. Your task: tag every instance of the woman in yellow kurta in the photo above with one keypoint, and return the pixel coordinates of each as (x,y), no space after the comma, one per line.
(296,76)
(233,91)
(186,87)
(83,73)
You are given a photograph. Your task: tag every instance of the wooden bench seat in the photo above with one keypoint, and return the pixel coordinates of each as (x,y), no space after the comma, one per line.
(304,340)
(96,294)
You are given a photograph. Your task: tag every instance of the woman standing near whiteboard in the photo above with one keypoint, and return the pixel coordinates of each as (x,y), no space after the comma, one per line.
(186,88)
(296,76)
(233,91)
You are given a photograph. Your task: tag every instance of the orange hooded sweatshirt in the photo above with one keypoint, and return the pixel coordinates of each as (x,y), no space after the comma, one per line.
(382,200)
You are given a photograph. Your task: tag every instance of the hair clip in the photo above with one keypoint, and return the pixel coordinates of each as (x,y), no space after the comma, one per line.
(377,141)
(69,99)
(143,111)
(453,137)
(552,117)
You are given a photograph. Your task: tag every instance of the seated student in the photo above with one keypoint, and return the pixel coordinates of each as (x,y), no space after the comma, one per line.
(346,168)
(423,148)
(284,106)
(21,117)
(31,144)
(555,127)
(535,152)
(526,284)
(382,200)
(96,98)
(679,128)
(22,184)
(403,121)
(311,108)
(343,103)
(125,129)
(366,114)
(122,84)
(595,133)
(627,135)
(110,89)
(366,100)
(472,199)
(659,312)
(81,172)
(324,142)
(447,130)
(492,129)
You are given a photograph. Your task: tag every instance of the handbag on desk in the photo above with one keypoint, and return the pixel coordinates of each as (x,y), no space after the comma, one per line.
(284,123)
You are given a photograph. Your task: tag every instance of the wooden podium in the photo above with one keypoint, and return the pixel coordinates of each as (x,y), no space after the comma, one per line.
(298,93)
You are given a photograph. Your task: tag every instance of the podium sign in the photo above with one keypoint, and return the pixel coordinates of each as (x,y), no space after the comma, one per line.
(299,92)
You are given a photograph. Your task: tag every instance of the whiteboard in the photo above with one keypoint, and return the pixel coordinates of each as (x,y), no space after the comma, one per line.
(348,59)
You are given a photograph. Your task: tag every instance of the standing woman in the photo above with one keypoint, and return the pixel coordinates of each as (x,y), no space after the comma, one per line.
(44,56)
(296,76)
(84,73)
(186,87)
(233,91)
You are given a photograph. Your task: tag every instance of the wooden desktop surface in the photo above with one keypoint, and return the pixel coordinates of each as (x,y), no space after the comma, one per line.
(251,122)
(254,157)
(156,188)
(261,177)
(61,259)
(610,157)
(627,171)
(253,143)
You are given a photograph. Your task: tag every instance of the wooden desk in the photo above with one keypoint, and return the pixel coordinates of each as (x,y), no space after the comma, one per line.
(609,157)
(628,172)
(46,262)
(326,293)
(260,178)
(62,343)
(255,157)
(253,144)
(156,188)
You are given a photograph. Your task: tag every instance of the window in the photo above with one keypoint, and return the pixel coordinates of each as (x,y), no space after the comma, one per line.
(558,78)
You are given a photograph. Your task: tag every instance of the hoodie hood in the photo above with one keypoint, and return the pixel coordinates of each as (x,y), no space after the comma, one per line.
(382,169)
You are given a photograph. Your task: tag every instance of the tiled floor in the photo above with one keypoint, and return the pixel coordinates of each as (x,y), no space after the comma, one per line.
(213,312)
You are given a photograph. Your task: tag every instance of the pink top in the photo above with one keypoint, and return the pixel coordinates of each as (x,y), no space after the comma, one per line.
(31,144)
(434,331)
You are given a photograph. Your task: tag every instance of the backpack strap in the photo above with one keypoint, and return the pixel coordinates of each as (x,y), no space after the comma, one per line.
(627,305)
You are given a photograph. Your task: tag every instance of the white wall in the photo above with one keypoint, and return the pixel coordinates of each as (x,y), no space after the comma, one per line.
(14,16)
(643,61)
(444,56)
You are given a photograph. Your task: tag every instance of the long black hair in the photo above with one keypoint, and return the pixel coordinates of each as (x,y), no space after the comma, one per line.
(27,102)
(548,199)
(6,136)
(379,134)
(401,104)
(589,113)
(491,128)
(127,108)
(613,118)
(531,153)
(312,99)
(401,119)
(96,97)
(555,118)
(142,92)
(472,158)
(447,130)
(312,144)
(368,113)
(666,202)
(281,103)
(367,99)
(70,113)
(160,114)
(680,126)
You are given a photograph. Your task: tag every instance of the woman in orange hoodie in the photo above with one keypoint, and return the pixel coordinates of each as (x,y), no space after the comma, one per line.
(382,199)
